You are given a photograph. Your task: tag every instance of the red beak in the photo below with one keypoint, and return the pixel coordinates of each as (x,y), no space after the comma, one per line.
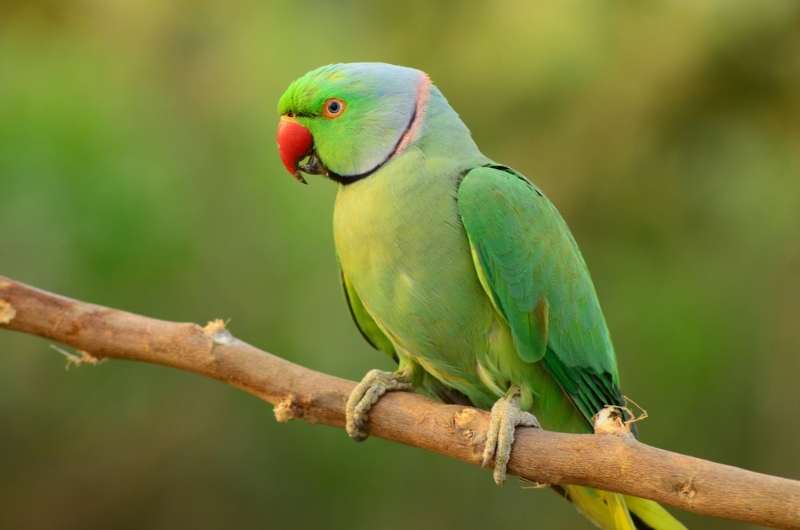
(294,144)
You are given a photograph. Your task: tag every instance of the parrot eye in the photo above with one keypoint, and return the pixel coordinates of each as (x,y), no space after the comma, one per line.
(333,108)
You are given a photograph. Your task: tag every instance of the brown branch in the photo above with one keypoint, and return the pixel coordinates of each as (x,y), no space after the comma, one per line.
(602,461)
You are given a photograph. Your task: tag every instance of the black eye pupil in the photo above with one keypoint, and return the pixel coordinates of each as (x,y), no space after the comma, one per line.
(334,107)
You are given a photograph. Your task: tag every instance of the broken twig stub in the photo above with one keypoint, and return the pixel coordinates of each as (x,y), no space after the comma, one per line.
(286,410)
(471,425)
(7,313)
(292,408)
(83,357)
(610,421)
(216,330)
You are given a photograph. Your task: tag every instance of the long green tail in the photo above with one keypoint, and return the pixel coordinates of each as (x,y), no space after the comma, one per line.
(613,511)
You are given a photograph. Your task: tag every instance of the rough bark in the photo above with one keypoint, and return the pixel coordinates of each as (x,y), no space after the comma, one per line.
(614,463)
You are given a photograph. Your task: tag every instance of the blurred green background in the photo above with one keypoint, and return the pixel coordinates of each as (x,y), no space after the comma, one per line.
(138,170)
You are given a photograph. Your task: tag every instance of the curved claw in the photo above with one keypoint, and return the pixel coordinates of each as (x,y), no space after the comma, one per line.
(375,384)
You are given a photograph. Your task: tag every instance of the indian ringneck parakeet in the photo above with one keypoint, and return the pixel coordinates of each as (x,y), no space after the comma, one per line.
(457,267)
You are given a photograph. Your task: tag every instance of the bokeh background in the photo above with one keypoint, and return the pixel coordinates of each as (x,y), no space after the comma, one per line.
(138,170)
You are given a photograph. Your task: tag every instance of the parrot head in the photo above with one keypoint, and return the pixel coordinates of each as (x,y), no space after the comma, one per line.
(347,120)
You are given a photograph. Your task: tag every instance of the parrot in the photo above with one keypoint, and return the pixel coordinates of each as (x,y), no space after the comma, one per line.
(457,267)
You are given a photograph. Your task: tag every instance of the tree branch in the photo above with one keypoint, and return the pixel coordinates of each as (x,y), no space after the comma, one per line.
(606,462)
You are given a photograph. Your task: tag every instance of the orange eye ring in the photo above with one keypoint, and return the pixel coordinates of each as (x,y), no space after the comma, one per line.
(333,108)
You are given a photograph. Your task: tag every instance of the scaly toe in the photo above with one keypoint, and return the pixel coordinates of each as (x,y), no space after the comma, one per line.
(366,394)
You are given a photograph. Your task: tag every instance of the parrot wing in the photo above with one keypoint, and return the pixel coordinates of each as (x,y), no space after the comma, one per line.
(532,270)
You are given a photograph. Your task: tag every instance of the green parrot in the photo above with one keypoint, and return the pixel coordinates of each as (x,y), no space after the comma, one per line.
(457,267)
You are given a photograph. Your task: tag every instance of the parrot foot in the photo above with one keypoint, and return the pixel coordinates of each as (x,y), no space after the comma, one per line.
(375,384)
(506,415)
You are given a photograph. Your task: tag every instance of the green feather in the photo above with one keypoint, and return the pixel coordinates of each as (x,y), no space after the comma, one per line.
(526,254)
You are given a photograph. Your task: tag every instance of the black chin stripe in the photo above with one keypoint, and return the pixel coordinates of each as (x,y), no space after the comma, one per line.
(349,179)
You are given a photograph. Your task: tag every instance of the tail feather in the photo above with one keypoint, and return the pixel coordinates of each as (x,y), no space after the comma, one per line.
(606,510)
(612,511)
(651,515)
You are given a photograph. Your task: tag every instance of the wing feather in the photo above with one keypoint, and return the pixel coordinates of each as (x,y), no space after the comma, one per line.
(530,266)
